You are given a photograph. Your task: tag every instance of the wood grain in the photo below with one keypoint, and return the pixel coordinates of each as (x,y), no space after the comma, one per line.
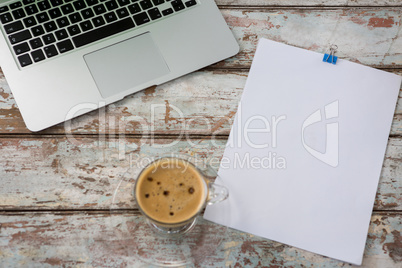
(363,35)
(67,175)
(201,103)
(310,3)
(123,240)
(83,173)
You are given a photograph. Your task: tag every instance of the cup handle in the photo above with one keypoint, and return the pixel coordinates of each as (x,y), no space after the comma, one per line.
(217,193)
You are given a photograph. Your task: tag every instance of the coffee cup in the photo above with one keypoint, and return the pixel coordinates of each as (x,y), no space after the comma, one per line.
(172,191)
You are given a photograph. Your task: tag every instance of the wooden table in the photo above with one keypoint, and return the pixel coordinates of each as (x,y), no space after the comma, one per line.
(57,186)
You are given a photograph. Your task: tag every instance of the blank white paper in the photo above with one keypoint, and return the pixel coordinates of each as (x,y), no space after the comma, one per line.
(305,152)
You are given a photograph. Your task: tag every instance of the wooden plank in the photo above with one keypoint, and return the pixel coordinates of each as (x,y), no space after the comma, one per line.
(363,35)
(201,103)
(310,3)
(58,173)
(104,240)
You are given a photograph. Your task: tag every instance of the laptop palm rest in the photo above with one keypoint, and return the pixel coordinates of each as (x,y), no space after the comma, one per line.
(126,64)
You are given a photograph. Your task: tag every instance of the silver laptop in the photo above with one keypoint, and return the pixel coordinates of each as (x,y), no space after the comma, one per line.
(63,58)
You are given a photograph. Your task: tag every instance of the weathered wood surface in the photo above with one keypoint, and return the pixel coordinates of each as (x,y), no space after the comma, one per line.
(202,103)
(58,173)
(364,35)
(310,3)
(74,177)
(122,240)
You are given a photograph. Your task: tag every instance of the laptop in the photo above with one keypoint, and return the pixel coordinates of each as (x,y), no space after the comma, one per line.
(64,58)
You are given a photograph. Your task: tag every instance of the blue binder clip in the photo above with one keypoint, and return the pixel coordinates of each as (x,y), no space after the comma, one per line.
(331,58)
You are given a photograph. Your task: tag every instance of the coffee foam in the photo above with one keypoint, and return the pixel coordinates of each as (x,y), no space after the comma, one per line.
(170,191)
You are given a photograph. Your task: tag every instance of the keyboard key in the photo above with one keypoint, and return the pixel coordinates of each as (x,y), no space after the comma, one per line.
(99,9)
(37,30)
(27,2)
(42,17)
(134,8)
(154,13)
(50,26)
(48,39)
(158,2)
(50,51)
(44,5)
(110,17)
(3,9)
(6,18)
(177,5)
(80,4)
(74,18)
(141,18)
(167,12)
(38,55)
(67,9)
(98,21)
(102,32)
(122,12)
(87,13)
(16,5)
(74,30)
(29,22)
(123,2)
(145,4)
(65,46)
(112,4)
(31,9)
(56,3)
(190,3)
(21,48)
(62,22)
(35,43)
(55,13)
(19,37)
(13,27)
(86,25)
(25,60)
(18,13)
(92,2)
(61,34)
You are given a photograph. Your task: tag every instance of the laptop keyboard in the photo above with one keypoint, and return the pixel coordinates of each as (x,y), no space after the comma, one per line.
(38,30)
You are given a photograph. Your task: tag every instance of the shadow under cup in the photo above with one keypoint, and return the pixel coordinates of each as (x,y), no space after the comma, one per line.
(171,192)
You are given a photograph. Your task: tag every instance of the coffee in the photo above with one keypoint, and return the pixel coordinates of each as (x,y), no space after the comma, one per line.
(170,191)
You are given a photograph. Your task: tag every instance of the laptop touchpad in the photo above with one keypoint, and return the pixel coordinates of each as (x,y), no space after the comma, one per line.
(125,65)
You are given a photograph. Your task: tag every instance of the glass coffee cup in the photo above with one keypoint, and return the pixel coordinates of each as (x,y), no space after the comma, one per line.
(172,191)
